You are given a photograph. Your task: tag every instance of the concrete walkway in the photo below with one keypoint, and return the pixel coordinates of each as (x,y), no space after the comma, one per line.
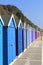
(32,56)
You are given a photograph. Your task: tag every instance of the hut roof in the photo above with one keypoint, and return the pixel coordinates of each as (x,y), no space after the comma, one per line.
(6,19)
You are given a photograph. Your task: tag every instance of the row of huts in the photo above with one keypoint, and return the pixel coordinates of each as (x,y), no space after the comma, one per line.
(15,37)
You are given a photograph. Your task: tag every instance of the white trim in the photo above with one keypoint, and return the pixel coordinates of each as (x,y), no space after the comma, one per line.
(12,16)
(20,22)
(30,28)
(25,50)
(38,31)
(1,20)
(27,26)
(20,55)
(13,62)
(24,25)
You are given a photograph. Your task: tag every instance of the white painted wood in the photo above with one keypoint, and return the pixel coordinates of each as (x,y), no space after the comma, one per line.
(1,20)
(12,16)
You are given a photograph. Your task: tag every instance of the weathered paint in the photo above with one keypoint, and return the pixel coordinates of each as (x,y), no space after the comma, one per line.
(11,42)
(1,43)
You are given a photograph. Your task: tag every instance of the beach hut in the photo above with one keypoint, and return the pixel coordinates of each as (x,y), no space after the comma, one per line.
(30,30)
(5,19)
(28,35)
(25,36)
(11,34)
(38,33)
(33,34)
(20,37)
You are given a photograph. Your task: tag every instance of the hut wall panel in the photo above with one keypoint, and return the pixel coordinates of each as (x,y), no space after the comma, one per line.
(1,43)
(22,39)
(32,35)
(5,47)
(28,37)
(25,39)
(35,34)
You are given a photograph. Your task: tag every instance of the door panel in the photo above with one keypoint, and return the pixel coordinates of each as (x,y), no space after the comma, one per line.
(11,45)
(1,43)
(1,47)
(28,37)
(25,39)
(19,40)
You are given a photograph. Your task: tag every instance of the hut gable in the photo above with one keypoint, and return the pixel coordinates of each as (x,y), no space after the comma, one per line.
(12,21)
(1,21)
(12,24)
(5,19)
(17,22)
(20,24)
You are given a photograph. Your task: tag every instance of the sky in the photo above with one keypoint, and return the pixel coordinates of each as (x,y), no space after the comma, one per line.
(32,9)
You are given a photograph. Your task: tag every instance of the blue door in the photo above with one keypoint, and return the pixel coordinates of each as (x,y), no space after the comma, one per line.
(19,39)
(11,42)
(35,34)
(32,35)
(25,39)
(22,39)
(28,37)
(1,43)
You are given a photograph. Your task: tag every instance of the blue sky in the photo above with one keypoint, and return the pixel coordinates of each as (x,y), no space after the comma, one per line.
(32,9)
